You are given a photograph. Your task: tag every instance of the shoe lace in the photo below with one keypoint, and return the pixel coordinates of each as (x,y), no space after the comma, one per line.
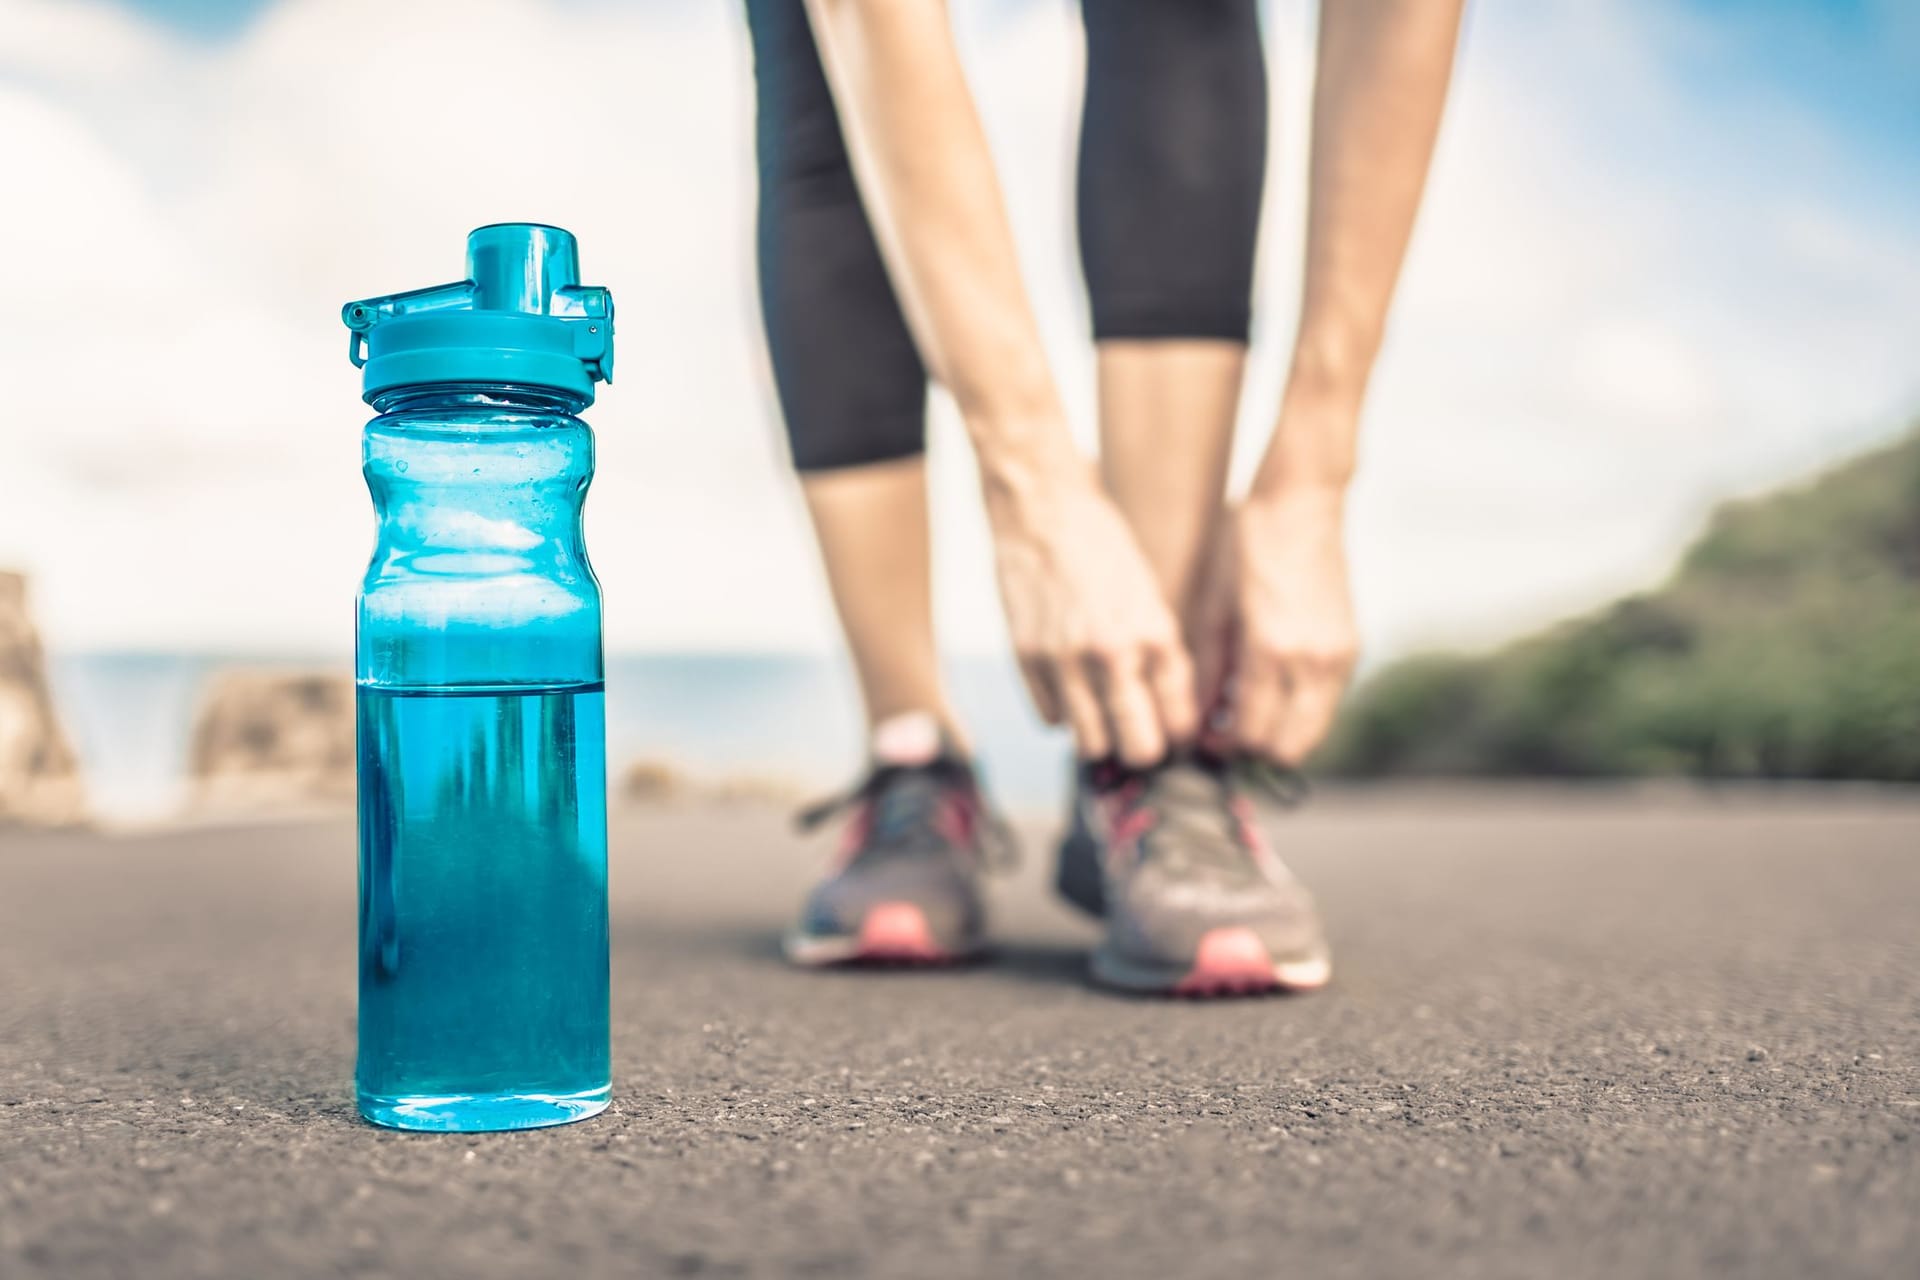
(905,801)
(1195,798)
(1278,786)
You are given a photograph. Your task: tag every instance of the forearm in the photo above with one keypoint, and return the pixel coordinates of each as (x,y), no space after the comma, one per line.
(930,190)
(1382,81)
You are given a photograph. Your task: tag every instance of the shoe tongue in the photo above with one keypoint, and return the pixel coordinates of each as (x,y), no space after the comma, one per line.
(908,740)
(1188,784)
(1191,801)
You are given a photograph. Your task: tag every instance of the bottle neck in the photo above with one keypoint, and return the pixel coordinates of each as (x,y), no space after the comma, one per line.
(486,396)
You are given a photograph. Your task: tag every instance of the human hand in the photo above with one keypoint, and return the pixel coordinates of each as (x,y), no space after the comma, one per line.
(1099,647)
(1276,641)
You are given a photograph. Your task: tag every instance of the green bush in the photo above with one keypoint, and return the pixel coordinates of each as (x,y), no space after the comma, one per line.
(1787,645)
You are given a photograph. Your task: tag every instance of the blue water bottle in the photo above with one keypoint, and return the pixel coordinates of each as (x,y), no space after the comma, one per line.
(482,740)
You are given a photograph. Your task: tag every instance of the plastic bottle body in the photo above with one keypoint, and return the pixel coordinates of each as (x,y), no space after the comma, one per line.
(483,892)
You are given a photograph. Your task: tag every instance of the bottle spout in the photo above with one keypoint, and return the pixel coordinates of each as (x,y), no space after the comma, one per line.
(520,266)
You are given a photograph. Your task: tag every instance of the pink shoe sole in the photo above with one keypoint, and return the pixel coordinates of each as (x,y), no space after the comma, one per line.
(1228,962)
(898,931)
(892,933)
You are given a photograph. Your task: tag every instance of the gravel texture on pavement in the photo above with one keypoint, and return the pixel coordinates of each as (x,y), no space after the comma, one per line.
(1570,1033)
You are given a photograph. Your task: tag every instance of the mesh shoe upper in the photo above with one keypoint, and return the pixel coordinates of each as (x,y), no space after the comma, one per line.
(919,834)
(1182,855)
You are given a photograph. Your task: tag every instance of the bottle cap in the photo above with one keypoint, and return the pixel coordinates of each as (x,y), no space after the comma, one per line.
(521,317)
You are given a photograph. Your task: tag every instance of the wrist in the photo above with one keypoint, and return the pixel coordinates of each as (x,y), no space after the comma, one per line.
(1319,420)
(1311,455)
(1021,481)
(1331,369)
(1297,502)
(1298,481)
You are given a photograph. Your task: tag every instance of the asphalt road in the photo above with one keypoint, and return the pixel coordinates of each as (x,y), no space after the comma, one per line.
(1568,1035)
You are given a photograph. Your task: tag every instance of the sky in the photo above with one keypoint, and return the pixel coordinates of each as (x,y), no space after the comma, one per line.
(1671,253)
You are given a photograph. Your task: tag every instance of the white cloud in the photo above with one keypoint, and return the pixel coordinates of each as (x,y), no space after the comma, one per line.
(1599,333)
(202,488)
(1613,311)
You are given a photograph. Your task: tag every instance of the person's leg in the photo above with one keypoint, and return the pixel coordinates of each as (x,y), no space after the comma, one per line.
(1167,410)
(1172,161)
(853,394)
(871,522)
(1172,158)
(852,388)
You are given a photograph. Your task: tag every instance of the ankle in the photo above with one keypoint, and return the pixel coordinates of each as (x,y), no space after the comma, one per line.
(910,738)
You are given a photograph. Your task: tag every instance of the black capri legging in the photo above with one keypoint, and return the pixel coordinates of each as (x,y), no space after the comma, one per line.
(1173,141)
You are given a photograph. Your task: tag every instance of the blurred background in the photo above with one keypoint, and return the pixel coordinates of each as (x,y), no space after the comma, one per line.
(1639,490)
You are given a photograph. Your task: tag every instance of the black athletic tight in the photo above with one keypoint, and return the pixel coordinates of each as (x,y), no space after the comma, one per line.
(1173,142)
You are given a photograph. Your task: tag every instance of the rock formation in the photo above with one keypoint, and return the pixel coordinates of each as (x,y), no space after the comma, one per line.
(39,776)
(272,740)
(657,783)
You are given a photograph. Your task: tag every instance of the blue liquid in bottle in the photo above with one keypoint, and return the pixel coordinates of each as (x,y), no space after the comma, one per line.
(482,736)
(483,967)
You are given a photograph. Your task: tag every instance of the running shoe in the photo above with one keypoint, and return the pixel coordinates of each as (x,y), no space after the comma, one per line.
(907,885)
(1195,901)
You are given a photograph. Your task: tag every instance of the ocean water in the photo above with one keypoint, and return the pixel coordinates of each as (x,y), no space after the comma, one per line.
(483,907)
(791,719)
(798,719)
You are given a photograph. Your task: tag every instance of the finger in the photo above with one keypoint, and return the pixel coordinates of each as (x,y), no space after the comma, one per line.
(1309,715)
(1213,650)
(1170,675)
(1259,701)
(1084,715)
(1132,715)
(1040,687)
(1217,714)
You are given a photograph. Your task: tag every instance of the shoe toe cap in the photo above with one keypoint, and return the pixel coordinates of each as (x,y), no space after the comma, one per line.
(1167,922)
(949,904)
